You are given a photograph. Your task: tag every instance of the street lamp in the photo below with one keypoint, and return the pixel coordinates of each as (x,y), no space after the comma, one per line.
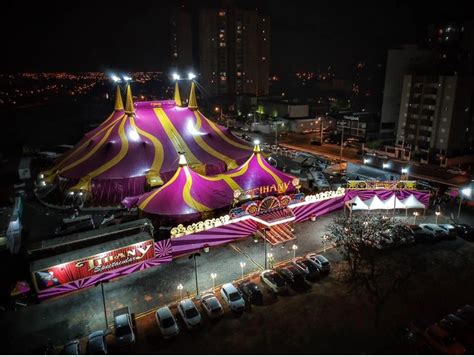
(191,76)
(242,266)
(437,213)
(176,77)
(213,277)
(294,247)
(466,191)
(325,237)
(193,256)
(180,289)
(101,283)
(270,259)
(415,214)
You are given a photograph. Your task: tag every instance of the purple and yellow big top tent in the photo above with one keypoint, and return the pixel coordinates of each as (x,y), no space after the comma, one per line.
(138,146)
(188,194)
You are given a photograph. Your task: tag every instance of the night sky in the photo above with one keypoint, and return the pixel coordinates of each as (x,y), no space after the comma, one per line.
(102,35)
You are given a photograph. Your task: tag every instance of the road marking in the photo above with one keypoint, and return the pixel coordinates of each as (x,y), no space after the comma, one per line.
(238,250)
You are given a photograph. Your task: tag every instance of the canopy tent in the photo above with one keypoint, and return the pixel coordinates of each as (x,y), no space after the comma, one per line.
(139,146)
(198,193)
(356,204)
(393,203)
(375,203)
(412,202)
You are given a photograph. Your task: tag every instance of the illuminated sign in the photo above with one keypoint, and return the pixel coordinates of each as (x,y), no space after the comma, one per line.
(96,264)
(387,185)
(266,190)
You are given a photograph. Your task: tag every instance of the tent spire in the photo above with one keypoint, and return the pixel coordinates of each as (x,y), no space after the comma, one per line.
(177,96)
(129,109)
(192,98)
(118,100)
(182,160)
(256,148)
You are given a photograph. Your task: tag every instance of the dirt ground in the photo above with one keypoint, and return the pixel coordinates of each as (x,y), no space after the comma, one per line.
(326,319)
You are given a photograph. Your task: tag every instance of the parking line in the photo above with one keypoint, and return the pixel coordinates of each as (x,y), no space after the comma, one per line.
(238,250)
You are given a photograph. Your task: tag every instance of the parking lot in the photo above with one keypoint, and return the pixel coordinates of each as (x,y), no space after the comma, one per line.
(325,318)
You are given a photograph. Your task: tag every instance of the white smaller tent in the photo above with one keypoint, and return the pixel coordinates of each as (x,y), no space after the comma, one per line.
(412,202)
(356,204)
(393,203)
(375,203)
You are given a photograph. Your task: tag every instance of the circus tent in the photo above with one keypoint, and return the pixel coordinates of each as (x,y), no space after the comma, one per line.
(189,192)
(139,146)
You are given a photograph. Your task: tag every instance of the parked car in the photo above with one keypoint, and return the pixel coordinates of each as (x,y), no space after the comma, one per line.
(321,261)
(96,343)
(75,227)
(212,306)
(466,313)
(189,313)
(123,327)
(420,234)
(293,275)
(251,292)
(459,329)
(274,281)
(456,171)
(232,297)
(166,322)
(382,156)
(72,348)
(449,229)
(434,230)
(443,341)
(465,231)
(309,267)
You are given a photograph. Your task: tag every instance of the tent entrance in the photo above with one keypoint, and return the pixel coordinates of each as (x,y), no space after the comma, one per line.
(280,233)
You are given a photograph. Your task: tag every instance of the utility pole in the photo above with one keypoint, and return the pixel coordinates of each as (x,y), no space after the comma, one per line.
(193,256)
(265,247)
(101,283)
(322,128)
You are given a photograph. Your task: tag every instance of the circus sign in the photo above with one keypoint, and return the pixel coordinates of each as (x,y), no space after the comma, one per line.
(96,264)
(279,188)
(386,185)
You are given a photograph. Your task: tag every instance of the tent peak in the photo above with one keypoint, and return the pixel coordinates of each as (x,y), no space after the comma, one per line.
(177,96)
(192,104)
(118,100)
(129,108)
(182,160)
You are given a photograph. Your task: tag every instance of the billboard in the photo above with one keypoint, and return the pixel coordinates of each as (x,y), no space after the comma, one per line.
(96,264)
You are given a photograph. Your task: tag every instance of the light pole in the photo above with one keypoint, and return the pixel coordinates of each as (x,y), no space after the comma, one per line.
(101,283)
(437,213)
(180,289)
(242,266)
(270,259)
(213,277)
(294,247)
(467,191)
(415,214)
(265,247)
(193,256)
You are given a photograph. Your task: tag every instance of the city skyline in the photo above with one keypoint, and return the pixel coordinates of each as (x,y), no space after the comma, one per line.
(56,37)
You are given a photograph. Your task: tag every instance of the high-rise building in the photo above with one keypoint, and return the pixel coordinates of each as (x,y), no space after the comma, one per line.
(402,61)
(436,115)
(230,48)
(181,40)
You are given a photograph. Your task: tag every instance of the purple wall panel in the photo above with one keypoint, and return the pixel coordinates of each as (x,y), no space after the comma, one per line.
(163,254)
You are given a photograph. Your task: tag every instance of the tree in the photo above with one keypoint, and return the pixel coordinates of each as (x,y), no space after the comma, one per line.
(372,271)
